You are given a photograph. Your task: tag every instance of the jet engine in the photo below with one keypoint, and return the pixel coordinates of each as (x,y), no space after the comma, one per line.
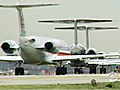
(9,46)
(91,51)
(101,52)
(77,49)
(53,46)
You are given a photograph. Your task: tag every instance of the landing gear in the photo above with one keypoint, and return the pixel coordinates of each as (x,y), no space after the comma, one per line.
(92,70)
(19,70)
(78,71)
(103,70)
(61,70)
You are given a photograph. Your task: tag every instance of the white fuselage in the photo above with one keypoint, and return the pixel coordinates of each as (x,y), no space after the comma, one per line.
(33,55)
(28,51)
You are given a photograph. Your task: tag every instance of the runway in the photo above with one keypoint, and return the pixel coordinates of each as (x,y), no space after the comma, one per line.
(52,79)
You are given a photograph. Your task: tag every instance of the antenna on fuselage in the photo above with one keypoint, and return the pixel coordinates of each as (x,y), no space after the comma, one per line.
(19,7)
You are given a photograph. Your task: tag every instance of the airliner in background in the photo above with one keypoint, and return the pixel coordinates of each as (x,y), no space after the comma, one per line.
(87,29)
(43,50)
(88,49)
(78,49)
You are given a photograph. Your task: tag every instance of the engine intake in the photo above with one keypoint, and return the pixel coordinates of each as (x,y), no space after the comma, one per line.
(48,46)
(53,45)
(91,51)
(77,49)
(9,46)
(5,46)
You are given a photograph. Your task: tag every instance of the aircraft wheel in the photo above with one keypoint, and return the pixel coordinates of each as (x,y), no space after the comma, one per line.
(81,71)
(65,70)
(61,70)
(104,70)
(19,71)
(92,70)
(75,70)
(100,70)
(78,70)
(16,71)
(58,71)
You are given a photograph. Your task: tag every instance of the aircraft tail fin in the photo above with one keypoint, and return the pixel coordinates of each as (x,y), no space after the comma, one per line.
(87,28)
(19,7)
(75,22)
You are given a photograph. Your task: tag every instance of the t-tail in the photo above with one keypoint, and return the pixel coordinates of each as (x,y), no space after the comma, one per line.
(19,8)
(75,22)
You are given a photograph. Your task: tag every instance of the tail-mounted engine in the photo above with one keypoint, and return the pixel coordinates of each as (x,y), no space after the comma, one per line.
(9,46)
(53,46)
(91,51)
(77,49)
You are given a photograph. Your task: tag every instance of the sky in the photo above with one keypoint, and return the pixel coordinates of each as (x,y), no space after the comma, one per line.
(107,40)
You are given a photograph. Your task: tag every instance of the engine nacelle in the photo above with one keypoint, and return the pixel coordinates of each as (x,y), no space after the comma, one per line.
(77,49)
(101,52)
(9,46)
(91,51)
(53,45)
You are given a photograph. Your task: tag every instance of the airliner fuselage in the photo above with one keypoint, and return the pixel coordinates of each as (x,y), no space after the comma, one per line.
(33,54)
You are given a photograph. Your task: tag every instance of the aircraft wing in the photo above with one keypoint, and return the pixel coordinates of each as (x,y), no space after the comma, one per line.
(104,61)
(82,57)
(78,20)
(11,58)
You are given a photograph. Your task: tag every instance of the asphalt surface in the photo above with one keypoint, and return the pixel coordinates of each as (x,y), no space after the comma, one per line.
(52,79)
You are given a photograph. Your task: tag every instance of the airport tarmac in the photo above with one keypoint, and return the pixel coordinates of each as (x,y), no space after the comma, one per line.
(52,79)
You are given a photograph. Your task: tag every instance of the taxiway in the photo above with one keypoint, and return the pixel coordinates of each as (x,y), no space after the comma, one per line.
(52,79)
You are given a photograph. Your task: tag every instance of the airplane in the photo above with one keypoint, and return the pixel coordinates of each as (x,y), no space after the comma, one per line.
(41,50)
(78,49)
(88,49)
(87,29)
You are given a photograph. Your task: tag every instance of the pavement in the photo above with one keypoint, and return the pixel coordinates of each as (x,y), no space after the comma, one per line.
(52,79)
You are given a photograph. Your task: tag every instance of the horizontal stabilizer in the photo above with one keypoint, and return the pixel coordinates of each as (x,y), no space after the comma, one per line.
(88,27)
(26,5)
(100,27)
(71,27)
(68,21)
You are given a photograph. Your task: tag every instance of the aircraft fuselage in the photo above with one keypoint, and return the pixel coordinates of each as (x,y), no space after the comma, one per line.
(33,55)
(28,51)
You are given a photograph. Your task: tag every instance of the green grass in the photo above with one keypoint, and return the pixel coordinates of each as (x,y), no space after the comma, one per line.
(100,86)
